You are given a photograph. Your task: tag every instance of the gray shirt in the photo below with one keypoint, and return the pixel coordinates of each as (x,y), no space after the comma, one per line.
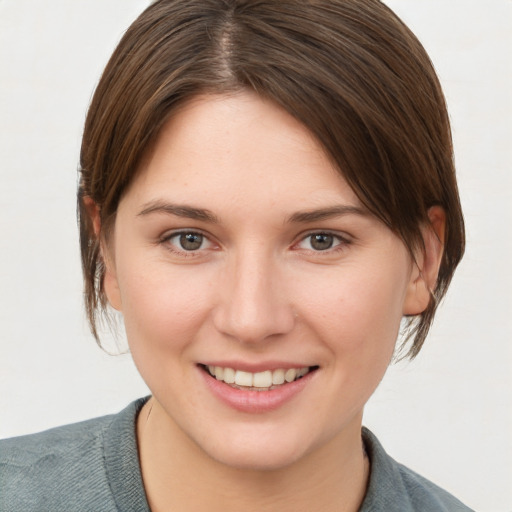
(94,466)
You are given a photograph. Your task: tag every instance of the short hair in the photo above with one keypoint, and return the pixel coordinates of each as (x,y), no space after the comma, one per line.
(349,70)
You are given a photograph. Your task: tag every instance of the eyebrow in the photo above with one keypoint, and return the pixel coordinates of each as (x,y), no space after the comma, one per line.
(205,215)
(327,213)
(189,212)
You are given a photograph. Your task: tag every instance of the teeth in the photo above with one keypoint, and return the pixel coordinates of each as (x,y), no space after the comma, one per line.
(261,380)
(229,375)
(290,375)
(243,378)
(277,377)
(302,372)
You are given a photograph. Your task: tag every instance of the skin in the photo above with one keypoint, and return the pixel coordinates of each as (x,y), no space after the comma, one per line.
(256,291)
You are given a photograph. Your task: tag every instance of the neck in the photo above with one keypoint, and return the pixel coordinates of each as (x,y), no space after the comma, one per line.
(178,474)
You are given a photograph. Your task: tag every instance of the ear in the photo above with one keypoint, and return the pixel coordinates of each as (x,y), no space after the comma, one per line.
(428,260)
(110,283)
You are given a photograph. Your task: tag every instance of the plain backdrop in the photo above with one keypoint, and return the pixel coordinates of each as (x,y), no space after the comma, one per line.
(448,414)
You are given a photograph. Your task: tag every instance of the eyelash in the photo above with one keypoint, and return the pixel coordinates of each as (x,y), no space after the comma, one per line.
(340,243)
(167,241)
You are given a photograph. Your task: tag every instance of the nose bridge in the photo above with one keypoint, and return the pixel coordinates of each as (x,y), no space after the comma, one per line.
(254,305)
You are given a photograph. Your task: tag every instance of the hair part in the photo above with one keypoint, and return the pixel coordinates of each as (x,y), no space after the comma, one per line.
(349,70)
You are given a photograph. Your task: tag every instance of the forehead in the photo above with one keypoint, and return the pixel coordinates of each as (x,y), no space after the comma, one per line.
(220,146)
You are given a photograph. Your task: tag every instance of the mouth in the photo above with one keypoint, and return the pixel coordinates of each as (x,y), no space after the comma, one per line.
(261,381)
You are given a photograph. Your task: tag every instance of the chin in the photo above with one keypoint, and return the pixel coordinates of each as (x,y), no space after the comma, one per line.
(257,459)
(263,452)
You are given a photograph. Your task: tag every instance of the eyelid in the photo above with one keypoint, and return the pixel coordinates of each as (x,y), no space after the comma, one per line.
(165,239)
(343,240)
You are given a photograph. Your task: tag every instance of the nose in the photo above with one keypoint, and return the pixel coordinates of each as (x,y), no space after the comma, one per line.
(253,305)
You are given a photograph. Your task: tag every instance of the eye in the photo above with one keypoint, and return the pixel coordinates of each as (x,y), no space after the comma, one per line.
(321,242)
(188,241)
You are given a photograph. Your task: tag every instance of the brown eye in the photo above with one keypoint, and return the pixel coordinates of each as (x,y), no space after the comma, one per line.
(321,241)
(191,241)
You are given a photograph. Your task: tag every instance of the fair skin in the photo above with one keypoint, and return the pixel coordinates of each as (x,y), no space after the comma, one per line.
(239,247)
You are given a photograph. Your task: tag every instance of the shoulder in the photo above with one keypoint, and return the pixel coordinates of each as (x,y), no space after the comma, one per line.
(395,487)
(424,494)
(61,442)
(65,468)
(45,471)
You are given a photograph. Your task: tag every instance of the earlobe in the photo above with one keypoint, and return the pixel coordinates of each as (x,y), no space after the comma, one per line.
(110,284)
(111,288)
(93,211)
(428,261)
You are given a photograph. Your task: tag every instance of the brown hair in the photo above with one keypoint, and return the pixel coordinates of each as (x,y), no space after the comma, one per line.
(349,70)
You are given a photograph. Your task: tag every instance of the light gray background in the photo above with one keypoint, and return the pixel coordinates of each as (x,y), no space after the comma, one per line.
(448,415)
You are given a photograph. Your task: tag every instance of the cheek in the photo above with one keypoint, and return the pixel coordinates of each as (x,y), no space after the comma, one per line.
(356,303)
(163,308)
(357,314)
(163,314)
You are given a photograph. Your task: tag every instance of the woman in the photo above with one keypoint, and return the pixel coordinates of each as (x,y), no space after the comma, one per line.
(267,189)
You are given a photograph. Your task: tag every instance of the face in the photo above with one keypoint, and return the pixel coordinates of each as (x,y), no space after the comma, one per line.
(261,300)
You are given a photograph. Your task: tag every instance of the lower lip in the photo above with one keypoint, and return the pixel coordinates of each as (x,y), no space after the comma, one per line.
(255,401)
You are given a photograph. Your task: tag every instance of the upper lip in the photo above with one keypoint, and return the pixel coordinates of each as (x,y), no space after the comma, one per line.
(255,367)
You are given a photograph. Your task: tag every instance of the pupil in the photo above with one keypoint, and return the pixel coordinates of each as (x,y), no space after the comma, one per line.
(321,242)
(191,241)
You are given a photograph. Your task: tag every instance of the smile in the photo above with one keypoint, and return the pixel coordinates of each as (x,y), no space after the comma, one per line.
(260,381)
